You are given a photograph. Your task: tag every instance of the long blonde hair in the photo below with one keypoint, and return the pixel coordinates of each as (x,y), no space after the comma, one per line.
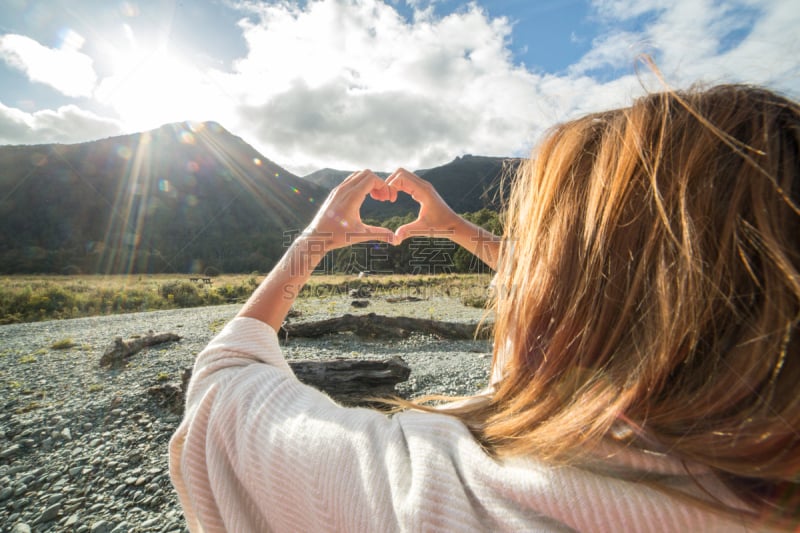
(652,276)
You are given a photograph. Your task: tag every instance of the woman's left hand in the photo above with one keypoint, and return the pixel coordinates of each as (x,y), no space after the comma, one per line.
(338,222)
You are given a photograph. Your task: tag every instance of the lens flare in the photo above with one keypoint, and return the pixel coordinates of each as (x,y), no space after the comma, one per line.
(187,137)
(124,152)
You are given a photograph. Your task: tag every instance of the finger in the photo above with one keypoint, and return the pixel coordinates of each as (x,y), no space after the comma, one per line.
(412,229)
(358,185)
(353,176)
(408,182)
(382,193)
(391,192)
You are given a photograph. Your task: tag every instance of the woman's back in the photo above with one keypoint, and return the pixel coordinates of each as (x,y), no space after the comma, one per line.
(647,349)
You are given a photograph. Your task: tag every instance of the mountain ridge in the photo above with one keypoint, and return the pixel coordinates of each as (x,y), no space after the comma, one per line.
(184,197)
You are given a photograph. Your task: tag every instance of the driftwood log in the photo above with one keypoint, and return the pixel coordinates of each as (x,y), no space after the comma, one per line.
(353,381)
(348,381)
(383,327)
(121,350)
(398,299)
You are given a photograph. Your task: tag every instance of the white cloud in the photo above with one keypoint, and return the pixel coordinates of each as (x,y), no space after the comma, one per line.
(65,69)
(710,41)
(67,124)
(353,84)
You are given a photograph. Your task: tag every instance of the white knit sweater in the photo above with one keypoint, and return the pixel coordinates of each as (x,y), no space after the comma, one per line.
(259,451)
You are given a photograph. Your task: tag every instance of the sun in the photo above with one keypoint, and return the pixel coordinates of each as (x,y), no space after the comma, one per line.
(149,88)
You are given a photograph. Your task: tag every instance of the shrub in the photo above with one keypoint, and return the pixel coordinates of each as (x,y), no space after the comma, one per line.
(63,344)
(181,293)
(471,300)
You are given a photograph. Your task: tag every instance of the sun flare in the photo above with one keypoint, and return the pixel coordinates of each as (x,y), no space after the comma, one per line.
(149,89)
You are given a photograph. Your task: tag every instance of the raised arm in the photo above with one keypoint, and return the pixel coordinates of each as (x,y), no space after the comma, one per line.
(337,224)
(437,219)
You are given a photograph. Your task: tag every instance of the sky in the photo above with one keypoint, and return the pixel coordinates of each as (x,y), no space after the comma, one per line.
(378,84)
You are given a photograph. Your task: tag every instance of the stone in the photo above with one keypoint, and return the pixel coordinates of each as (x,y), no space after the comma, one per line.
(8,452)
(21,528)
(54,499)
(72,520)
(49,514)
(5,493)
(149,523)
(122,527)
(101,526)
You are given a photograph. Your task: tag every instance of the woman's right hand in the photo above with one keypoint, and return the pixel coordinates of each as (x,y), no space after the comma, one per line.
(435,219)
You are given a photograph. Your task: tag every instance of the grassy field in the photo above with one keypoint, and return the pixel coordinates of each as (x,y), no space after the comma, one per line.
(33,298)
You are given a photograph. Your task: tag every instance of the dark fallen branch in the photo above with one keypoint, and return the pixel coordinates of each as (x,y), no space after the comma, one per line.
(383,327)
(353,381)
(398,299)
(348,381)
(118,353)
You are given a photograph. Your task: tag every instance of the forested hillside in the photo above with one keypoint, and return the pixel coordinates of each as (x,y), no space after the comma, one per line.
(180,198)
(192,197)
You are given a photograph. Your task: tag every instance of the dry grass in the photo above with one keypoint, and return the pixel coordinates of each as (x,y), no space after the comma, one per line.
(27,298)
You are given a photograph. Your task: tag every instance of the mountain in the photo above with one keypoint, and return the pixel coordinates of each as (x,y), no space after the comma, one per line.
(327,178)
(183,197)
(468,183)
(186,197)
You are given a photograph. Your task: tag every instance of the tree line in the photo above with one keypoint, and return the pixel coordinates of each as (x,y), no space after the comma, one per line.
(220,251)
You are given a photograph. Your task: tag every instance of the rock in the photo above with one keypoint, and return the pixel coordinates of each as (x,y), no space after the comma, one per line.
(8,452)
(54,499)
(361,292)
(72,520)
(360,304)
(21,528)
(66,434)
(101,526)
(5,493)
(49,514)
(122,527)
(149,523)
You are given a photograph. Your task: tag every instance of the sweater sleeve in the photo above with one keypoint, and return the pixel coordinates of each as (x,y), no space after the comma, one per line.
(259,451)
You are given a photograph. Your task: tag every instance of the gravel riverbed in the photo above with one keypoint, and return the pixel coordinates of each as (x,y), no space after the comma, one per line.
(84,448)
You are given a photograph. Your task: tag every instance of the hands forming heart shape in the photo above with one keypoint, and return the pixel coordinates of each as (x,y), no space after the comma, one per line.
(339,223)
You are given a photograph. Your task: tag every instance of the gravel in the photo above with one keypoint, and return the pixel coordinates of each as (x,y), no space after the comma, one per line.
(84,448)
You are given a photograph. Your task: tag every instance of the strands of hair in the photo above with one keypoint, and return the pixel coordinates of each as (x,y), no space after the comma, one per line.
(651,281)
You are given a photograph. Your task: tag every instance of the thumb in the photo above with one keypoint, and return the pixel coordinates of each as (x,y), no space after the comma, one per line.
(412,229)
